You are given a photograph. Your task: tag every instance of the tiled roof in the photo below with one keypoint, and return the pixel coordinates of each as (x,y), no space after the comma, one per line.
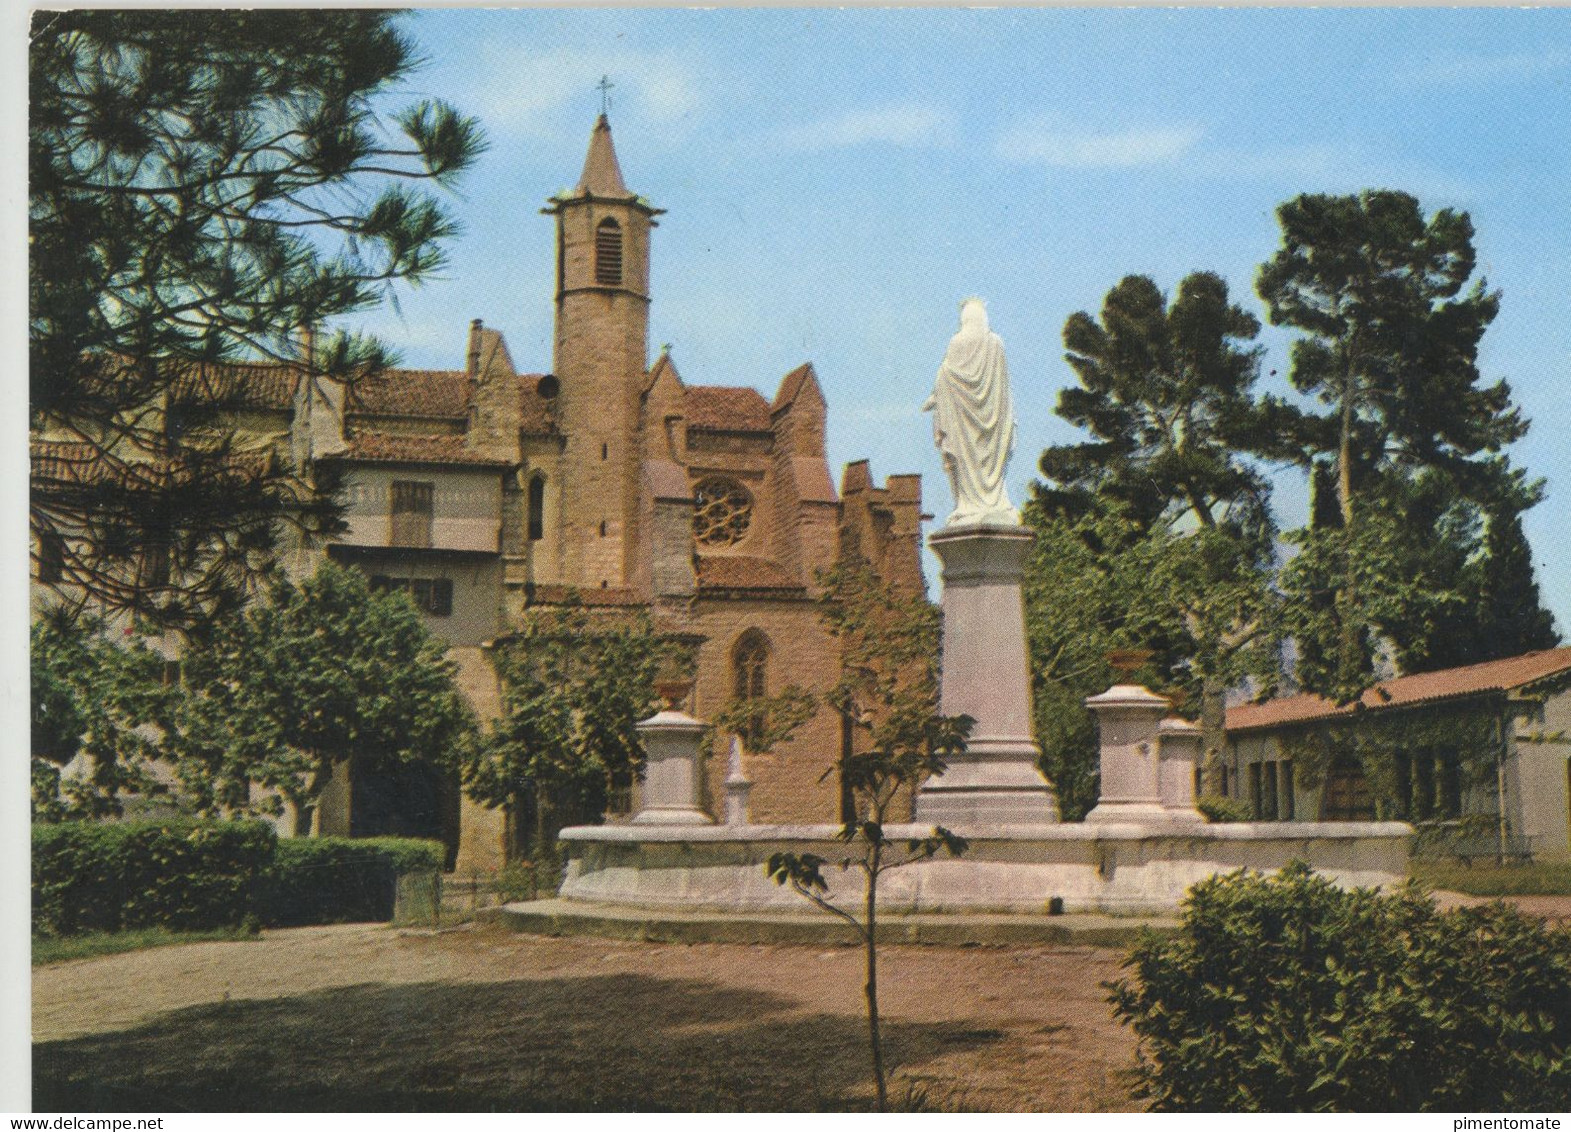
(432,393)
(381,448)
(535,415)
(739,572)
(64,462)
(1407,691)
(722,408)
(239,385)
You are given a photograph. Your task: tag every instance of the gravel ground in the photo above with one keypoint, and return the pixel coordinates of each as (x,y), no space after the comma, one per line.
(366,1017)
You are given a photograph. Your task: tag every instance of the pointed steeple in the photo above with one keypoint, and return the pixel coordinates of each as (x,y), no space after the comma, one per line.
(602,176)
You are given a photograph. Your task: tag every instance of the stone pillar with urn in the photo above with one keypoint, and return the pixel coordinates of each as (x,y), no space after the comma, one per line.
(673,786)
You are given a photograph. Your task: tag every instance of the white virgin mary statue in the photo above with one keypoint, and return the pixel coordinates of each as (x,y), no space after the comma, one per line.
(974,421)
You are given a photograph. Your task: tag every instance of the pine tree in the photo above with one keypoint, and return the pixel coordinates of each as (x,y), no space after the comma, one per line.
(205,186)
(1407,445)
(1167,393)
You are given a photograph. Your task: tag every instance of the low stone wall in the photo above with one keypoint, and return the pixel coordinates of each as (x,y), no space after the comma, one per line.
(1092,868)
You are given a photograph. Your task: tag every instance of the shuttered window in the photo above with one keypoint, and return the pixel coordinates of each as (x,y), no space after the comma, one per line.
(412,511)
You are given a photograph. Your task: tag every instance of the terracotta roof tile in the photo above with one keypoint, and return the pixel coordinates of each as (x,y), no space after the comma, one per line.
(722,408)
(381,448)
(432,393)
(65,462)
(739,572)
(1407,691)
(239,385)
(536,415)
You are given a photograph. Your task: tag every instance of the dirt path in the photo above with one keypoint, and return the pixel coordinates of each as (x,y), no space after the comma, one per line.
(363,1017)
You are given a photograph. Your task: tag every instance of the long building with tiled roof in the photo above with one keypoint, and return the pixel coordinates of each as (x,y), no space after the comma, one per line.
(1482,746)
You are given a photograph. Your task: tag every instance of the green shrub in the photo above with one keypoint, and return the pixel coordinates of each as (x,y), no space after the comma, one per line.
(325,880)
(1286,993)
(1216,808)
(178,874)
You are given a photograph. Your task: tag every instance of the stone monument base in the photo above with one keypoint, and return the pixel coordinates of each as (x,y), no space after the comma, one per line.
(1112,868)
(990,783)
(986,669)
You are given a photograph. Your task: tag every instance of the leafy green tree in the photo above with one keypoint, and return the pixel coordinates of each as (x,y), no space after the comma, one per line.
(1512,616)
(1390,330)
(320,674)
(1166,390)
(1086,593)
(573,688)
(204,186)
(1498,612)
(97,698)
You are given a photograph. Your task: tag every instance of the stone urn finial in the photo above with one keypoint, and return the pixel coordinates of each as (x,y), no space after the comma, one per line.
(673,693)
(1126,662)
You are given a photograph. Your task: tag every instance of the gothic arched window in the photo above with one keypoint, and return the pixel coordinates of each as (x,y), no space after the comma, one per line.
(536,507)
(608,253)
(750,665)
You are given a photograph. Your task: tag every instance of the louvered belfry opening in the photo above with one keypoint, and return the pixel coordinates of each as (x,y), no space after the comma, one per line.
(608,253)
(412,513)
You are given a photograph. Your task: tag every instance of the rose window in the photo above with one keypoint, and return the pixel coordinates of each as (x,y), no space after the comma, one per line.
(722,511)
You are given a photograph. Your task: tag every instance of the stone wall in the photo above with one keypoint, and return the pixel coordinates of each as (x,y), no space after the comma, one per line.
(786,781)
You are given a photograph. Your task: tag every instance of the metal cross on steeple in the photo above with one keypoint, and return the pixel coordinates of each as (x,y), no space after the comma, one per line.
(605,84)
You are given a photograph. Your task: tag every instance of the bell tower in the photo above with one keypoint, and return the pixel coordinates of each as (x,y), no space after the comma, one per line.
(600,357)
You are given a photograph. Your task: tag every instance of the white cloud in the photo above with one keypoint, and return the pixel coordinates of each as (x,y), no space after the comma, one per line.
(1485,68)
(905,124)
(1039,144)
(517,91)
(1325,168)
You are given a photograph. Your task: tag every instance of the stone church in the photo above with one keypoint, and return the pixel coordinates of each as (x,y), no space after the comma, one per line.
(490,493)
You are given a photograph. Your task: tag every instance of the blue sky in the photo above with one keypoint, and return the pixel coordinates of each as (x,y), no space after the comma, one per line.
(837,180)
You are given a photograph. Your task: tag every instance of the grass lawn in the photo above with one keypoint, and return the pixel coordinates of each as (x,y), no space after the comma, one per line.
(48,949)
(1488,879)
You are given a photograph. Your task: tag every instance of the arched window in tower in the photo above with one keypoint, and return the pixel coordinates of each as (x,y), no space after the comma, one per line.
(536,507)
(750,664)
(608,253)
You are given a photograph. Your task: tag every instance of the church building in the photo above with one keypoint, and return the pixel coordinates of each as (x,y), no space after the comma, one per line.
(491,494)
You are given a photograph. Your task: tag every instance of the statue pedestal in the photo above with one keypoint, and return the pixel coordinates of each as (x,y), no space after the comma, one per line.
(986,675)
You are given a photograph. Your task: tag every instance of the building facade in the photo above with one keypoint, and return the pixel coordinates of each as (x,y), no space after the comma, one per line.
(491,494)
(1459,749)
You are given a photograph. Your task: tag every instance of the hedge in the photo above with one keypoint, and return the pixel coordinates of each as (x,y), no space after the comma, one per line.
(1286,993)
(113,876)
(324,880)
(190,875)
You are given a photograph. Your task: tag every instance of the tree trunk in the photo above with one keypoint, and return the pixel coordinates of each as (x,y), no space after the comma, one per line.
(874,1037)
(304,814)
(1213,734)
